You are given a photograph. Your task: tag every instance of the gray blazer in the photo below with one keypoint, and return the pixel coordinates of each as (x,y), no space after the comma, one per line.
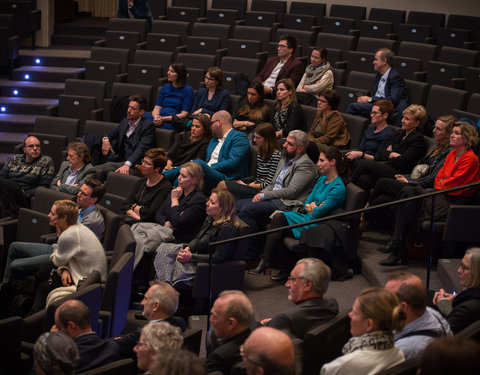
(297,184)
(63,172)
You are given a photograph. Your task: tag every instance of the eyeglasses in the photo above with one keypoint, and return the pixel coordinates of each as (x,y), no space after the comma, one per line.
(33,146)
(243,355)
(463,267)
(292,279)
(209,78)
(322,101)
(148,164)
(282,46)
(373,113)
(82,193)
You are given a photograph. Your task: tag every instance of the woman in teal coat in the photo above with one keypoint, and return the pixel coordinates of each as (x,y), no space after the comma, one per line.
(328,194)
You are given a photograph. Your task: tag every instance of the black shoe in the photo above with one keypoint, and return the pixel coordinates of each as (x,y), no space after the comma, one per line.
(393,260)
(280,277)
(262,266)
(395,245)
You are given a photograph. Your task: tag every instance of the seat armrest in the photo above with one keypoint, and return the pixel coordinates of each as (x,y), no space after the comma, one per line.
(99,43)
(52,110)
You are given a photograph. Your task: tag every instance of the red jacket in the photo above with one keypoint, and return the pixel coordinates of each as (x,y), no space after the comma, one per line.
(292,69)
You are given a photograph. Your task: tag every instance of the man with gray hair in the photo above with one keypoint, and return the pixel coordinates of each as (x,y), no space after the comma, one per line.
(388,85)
(293,181)
(307,285)
(231,317)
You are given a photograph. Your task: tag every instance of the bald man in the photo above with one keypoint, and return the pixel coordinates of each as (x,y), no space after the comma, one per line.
(268,351)
(423,324)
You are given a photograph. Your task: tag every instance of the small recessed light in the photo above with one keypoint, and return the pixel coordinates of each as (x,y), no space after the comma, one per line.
(3,109)
(15,92)
(38,61)
(27,76)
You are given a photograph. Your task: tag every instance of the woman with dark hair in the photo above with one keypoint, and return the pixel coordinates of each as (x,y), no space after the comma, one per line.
(267,160)
(212,98)
(175,263)
(317,78)
(255,111)
(195,147)
(328,194)
(329,128)
(175,98)
(287,114)
(150,191)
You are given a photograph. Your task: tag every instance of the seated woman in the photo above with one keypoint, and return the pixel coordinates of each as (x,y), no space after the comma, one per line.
(150,191)
(317,78)
(175,98)
(460,168)
(287,114)
(375,314)
(212,98)
(267,160)
(400,156)
(423,174)
(463,308)
(195,147)
(75,170)
(175,263)
(377,135)
(328,194)
(77,253)
(255,111)
(329,128)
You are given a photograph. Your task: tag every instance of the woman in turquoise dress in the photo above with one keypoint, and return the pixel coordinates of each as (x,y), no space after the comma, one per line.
(328,194)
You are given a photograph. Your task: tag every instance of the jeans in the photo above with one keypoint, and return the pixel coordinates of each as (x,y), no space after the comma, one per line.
(25,258)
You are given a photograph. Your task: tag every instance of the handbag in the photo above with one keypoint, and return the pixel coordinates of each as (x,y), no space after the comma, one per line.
(419,170)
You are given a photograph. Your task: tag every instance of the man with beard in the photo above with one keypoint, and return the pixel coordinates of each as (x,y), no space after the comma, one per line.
(294,179)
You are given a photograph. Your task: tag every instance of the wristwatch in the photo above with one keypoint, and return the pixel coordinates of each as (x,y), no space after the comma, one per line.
(370,99)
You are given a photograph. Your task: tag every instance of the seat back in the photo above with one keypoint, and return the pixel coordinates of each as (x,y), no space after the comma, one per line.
(472,80)
(443,100)
(408,67)
(374,44)
(84,87)
(201,5)
(348,11)
(417,91)
(425,52)
(182,14)
(10,344)
(360,79)
(414,33)
(43,199)
(179,28)
(375,29)
(195,60)
(250,67)
(121,367)
(303,7)
(355,197)
(338,25)
(32,225)
(407,367)
(117,187)
(57,125)
(124,243)
(99,128)
(239,5)
(299,21)
(138,25)
(163,42)
(360,61)
(164,138)
(192,340)
(262,34)
(203,45)
(116,55)
(156,58)
(276,6)
(435,20)
(460,56)
(457,38)
(356,126)
(112,224)
(103,71)
(122,39)
(394,16)
(225,276)
(75,106)
(458,21)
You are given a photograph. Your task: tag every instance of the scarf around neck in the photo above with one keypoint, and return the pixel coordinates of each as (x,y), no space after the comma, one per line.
(377,340)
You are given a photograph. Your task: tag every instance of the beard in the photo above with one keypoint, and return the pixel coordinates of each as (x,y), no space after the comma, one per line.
(288,155)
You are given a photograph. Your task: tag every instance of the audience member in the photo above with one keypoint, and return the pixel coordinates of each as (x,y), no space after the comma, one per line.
(73,318)
(75,170)
(55,353)
(328,195)
(177,362)
(293,181)
(268,158)
(175,263)
(407,147)
(21,175)
(154,339)
(450,355)
(423,323)
(375,314)
(268,351)
(329,128)
(150,191)
(212,98)
(287,114)
(307,285)
(463,308)
(230,317)
(89,215)
(190,148)
(135,9)
(317,78)
(284,65)
(123,146)
(254,111)
(388,85)
(160,302)
(461,167)
(174,100)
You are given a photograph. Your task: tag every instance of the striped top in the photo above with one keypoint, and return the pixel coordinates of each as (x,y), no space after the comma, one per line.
(266,169)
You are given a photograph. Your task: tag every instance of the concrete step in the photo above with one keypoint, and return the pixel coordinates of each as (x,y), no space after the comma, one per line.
(8,141)
(16,122)
(45,60)
(448,275)
(30,106)
(75,39)
(46,73)
(29,89)
(77,28)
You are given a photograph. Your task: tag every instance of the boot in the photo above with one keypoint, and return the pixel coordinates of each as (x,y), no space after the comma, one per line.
(394,259)
(397,255)
(394,245)
(262,266)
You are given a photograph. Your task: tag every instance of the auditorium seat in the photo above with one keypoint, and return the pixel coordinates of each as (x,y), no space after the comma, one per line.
(239,5)
(443,100)
(309,8)
(394,16)
(337,45)
(172,27)
(434,20)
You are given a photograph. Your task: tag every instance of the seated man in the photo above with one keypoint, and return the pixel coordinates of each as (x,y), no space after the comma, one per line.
(285,65)
(294,179)
(388,85)
(89,215)
(307,285)
(423,323)
(124,146)
(21,175)
(73,318)
(227,153)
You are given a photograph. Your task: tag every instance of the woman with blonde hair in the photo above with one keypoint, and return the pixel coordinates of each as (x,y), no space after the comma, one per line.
(175,263)
(375,314)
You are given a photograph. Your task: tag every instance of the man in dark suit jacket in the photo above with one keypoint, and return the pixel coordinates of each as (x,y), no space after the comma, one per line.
(135,9)
(73,318)
(285,65)
(125,145)
(388,85)
(307,285)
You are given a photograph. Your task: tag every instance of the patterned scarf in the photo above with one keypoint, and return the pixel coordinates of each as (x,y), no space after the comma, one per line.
(378,340)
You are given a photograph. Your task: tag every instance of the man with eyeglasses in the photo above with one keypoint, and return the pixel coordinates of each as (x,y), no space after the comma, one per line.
(307,285)
(89,215)
(22,174)
(284,65)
